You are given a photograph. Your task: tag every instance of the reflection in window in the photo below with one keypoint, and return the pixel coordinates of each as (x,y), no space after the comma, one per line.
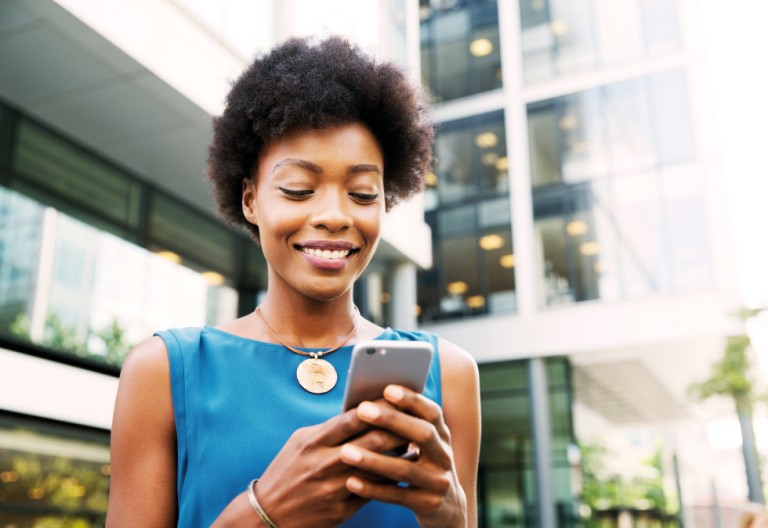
(51,475)
(468,208)
(506,481)
(561,36)
(617,203)
(75,288)
(460,53)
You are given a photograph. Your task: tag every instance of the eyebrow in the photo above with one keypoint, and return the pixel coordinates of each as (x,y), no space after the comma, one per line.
(316,169)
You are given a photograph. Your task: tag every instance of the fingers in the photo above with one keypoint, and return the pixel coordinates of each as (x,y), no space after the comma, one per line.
(395,469)
(341,428)
(423,425)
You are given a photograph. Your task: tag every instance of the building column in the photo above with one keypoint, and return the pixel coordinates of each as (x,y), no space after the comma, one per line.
(542,442)
(402,299)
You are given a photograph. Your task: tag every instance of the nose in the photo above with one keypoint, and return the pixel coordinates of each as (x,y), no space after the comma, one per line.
(332,211)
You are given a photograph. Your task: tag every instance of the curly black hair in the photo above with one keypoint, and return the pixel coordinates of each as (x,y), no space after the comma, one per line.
(301,84)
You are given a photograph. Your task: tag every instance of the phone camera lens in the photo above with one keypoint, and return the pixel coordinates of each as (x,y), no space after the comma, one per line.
(371,351)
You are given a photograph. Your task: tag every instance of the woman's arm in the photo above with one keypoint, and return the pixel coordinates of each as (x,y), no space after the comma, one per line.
(143,442)
(461,409)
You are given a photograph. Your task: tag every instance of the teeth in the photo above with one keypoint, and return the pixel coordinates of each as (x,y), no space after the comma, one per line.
(326,253)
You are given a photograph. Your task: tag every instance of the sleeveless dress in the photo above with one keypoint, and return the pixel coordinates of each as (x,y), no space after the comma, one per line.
(235,403)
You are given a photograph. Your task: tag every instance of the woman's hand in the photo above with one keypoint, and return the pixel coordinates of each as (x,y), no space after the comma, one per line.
(433,493)
(306,483)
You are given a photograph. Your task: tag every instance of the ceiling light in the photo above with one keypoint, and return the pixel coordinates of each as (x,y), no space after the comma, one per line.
(502,164)
(507,261)
(490,158)
(481,47)
(213,278)
(489,242)
(430,179)
(558,27)
(486,140)
(579,146)
(169,255)
(476,301)
(457,287)
(568,122)
(589,249)
(577,227)
(385,297)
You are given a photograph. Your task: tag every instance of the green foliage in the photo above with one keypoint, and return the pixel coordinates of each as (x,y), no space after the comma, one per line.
(603,488)
(730,377)
(61,337)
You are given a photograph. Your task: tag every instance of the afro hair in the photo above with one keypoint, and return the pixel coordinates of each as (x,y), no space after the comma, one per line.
(301,84)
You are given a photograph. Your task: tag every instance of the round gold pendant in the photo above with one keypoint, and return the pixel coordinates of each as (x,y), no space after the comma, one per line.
(316,375)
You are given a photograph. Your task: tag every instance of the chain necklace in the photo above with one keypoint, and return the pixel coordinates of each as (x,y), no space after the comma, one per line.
(315,375)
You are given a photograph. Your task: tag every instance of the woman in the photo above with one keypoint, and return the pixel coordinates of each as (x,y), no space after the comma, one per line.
(211,426)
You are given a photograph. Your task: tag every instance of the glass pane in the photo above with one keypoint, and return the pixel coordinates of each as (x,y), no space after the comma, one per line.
(618,26)
(58,167)
(583,137)
(175,226)
(686,228)
(672,117)
(453,149)
(573,31)
(636,215)
(661,24)
(50,478)
(628,127)
(544,144)
(460,275)
(460,48)
(499,261)
(490,141)
(63,294)
(553,259)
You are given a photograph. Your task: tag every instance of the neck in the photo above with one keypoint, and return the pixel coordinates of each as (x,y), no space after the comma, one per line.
(309,323)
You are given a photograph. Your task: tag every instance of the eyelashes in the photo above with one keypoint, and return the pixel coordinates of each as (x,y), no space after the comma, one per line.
(302,194)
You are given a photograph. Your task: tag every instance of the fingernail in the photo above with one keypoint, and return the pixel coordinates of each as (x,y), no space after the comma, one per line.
(394,392)
(368,410)
(351,453)
(354,484)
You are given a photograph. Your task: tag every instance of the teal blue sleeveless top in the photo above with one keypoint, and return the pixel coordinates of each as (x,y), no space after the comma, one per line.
(235,403)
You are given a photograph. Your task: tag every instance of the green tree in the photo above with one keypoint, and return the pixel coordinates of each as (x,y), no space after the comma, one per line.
(732,377)
(117,346)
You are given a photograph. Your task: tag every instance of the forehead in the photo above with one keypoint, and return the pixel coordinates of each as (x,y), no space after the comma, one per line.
(345,144)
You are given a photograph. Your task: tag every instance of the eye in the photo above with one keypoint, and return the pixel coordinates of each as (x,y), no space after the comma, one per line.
(296,194)
(364,197)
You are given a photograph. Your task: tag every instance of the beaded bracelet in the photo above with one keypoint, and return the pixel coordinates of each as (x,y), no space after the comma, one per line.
(257,506)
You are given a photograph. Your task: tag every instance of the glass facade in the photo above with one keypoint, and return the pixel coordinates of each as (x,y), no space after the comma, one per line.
(52,475)
(564,36)
(617,193)
(93,260)
(468,210)
(460,52)
(507,481)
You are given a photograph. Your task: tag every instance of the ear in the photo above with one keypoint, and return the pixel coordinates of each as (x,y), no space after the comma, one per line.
(249,201)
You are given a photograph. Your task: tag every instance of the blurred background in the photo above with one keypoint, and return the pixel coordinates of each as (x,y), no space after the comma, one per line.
(593,232)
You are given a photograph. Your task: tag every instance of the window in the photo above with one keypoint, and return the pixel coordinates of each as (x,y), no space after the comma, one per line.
(561,36)
(52,474)
(617,203)
(460,52)
(469,213)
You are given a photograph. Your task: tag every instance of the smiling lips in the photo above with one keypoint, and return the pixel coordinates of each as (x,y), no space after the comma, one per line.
(327,255)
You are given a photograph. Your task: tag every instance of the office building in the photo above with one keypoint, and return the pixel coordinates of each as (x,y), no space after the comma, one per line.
(580,240)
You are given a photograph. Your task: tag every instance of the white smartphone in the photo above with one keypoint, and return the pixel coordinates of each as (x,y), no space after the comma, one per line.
(376,364)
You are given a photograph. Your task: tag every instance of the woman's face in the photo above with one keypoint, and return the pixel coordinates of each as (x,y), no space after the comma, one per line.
(317,197)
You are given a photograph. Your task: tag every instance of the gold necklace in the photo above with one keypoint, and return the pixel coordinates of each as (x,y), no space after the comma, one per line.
(315,375)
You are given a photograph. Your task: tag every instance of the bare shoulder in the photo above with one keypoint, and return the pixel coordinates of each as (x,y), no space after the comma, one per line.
(145,385)
(455,362)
